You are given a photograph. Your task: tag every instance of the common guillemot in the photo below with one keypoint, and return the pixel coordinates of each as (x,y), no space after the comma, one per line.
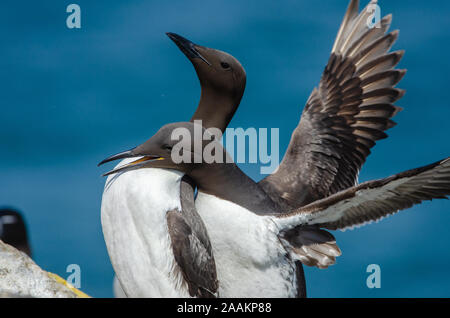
(157,243)
(250,233)
(343,118)
(341,121)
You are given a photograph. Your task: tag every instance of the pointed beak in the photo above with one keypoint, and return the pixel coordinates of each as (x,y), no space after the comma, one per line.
(139,162)
(120,155)
(186,46)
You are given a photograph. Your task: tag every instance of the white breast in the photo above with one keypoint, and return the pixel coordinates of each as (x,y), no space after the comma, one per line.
(250,260)
(133,213)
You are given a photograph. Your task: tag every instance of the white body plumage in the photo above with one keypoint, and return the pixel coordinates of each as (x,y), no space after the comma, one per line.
(133,214)
(250,259)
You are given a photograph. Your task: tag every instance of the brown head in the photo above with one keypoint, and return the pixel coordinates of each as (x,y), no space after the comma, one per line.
(222,79)
(196,152)
(180,146)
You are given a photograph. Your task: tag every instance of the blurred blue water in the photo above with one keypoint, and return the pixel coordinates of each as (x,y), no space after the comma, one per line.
(71,97)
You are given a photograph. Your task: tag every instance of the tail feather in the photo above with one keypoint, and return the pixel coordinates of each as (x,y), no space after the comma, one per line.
(312,246)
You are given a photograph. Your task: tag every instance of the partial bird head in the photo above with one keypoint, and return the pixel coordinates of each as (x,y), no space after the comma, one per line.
(216,70)
(183,146)
(13,230)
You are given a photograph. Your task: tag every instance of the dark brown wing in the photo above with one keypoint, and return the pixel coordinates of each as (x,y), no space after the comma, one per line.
(344,116)
(191,247)
(373,200)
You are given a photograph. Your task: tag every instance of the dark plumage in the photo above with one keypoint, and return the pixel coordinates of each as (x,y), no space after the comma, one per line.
(373,200)
(191,246)
(343,118)
(13,230)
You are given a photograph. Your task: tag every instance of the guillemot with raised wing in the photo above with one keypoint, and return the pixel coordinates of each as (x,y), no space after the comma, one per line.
(250,235)
(157,243)
(342,120)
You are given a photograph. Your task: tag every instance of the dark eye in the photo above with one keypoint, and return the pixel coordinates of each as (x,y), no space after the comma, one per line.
(167,147)
(225,65)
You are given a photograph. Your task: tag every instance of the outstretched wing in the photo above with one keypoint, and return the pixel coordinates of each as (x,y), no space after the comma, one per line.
(191,247)
(373,200)
(344,116)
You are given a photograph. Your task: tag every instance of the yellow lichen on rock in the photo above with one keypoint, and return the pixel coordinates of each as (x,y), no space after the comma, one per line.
(62,281)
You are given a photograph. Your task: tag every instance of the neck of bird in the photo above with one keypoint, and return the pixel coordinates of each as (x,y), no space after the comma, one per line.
(226,181)
(216,108)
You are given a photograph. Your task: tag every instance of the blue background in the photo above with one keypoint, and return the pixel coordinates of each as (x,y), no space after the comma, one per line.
(70,97)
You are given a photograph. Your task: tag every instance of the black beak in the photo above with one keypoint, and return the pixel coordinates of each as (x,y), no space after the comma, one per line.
(186,46)
(141,160)
(121,155)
